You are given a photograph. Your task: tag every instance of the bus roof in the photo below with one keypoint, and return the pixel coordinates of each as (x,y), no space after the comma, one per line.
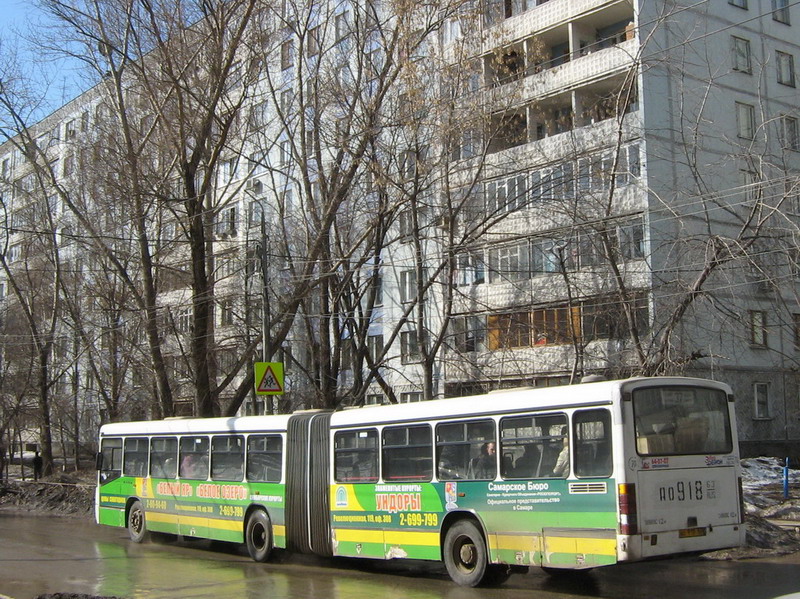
(183,426)
(510,401)
(497,402)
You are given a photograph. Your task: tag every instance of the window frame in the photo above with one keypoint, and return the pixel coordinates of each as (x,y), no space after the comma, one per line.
(127,456)
(471,439)
(761,409)
(745,120)
(780,12)
(426,474)
(784,63)
(371,451)
(170,471)
(757,320)
(270,452)
(222,475)
(790,133)
(185,469)
(739,44)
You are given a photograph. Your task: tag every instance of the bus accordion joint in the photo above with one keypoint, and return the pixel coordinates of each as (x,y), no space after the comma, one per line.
(627,509)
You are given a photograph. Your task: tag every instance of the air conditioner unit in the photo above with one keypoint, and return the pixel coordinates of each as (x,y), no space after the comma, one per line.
(254,186)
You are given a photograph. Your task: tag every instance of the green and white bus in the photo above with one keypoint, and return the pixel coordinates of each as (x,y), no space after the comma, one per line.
(571,477)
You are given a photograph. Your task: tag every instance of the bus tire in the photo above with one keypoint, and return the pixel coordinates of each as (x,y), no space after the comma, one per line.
(258,536)
(465,554)
(137,524)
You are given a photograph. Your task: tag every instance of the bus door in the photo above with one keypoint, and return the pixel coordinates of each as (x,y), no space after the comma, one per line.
(687,489)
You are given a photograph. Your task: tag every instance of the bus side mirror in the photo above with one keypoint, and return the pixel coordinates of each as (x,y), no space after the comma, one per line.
(98,461)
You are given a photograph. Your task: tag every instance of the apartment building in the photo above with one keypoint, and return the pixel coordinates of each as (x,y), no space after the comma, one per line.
(609,188)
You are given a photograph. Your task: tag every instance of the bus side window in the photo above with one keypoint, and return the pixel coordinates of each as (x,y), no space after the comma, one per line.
(264,458)
(194,458)
(592,430)
(110,460)
(227,458)
(407,453)
(164,457)
(135,459)
(355,457)
(531,445)
(466,450)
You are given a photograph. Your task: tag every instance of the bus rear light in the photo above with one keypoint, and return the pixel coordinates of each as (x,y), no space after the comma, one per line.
(741,501)
(627,509)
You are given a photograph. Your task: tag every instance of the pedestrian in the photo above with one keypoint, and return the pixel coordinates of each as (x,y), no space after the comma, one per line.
(37,466)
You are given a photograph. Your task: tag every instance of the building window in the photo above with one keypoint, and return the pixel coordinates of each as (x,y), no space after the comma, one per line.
(374,399)
(471,269)
(406,225)
(340,26)
(470,333)
(741,55)
(375,347)
(183,322)
(796,322)
(761,400)
(411,397)
(780,11)
(312,42)
(738,3)
(758,328)
(790,133)
(509,263)
(751,185)
(226,223)
(785,63)
(408,285)
(226,312)
(285,152)
(409,347)
(287,52)
(745,120)
(508,331)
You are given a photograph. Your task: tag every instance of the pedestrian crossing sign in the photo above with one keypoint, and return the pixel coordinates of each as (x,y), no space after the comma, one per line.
(269,378)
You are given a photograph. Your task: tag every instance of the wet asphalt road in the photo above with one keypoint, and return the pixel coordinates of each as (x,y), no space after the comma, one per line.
(47,555)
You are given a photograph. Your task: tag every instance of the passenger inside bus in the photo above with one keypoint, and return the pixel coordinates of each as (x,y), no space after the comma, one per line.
(485,465)
(450,464)
(561,467)
(527,465)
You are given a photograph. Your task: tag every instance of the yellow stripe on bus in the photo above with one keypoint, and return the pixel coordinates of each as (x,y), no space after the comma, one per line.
(390,537)
(234,525)
(581,545)
(516,542)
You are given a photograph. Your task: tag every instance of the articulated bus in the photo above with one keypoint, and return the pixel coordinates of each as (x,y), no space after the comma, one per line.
(571,477)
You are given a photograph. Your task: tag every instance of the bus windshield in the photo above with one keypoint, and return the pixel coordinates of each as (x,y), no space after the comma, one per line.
(681,420)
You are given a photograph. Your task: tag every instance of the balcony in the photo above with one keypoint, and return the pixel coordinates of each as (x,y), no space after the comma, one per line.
(516,19)
(561,74)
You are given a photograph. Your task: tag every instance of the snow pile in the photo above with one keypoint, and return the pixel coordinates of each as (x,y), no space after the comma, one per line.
(768,516)
(759,472)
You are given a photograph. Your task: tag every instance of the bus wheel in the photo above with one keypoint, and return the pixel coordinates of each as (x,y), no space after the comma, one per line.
(465,554)
(258,536)
(137,526)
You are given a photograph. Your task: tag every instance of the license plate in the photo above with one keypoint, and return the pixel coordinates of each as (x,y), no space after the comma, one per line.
(685,533)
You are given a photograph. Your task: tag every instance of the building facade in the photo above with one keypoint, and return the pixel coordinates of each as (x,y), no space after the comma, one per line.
(414,203)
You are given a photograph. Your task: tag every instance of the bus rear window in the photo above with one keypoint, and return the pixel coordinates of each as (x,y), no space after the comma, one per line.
(681,421)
